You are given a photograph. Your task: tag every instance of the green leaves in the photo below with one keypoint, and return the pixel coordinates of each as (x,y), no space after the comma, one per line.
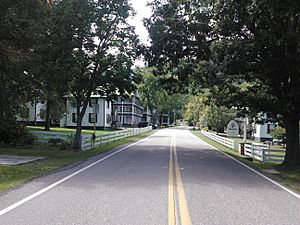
(180,33)
(154,96)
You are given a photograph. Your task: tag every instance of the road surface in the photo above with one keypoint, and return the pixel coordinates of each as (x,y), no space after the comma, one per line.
(171,177)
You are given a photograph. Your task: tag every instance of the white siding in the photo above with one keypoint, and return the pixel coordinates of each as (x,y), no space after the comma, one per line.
(261,130)
(104,111)
(34,112)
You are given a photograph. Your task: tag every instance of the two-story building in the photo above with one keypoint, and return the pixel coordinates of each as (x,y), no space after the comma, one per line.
(98,114)
(36,112)
(128,112)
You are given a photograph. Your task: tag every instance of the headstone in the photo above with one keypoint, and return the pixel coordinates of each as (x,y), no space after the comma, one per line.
(232,129)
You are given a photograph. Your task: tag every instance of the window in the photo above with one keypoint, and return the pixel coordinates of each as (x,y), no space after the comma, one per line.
(107,104)
(271,127)
(74,117)
(108,118)
(127,109)
(42,114)
(93,117)
(115,109)
(92,102)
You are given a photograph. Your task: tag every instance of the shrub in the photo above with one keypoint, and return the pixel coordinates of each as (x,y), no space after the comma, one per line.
(59,142)
(56,141)
(15,133)
(279,133)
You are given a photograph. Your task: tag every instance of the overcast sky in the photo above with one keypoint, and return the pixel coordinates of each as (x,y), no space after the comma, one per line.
(142,11)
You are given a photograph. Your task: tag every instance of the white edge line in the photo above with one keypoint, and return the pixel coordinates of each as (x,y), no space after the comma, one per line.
(253,170)
(32,196)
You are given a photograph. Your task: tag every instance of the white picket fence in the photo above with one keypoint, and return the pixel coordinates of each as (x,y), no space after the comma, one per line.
(263,153)
(87,141)
(44,136)
(222,140)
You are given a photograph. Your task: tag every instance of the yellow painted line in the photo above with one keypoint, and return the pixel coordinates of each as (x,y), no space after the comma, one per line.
(172,220)
(184,211)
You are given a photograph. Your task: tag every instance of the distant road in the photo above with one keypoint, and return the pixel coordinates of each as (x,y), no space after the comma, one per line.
(172,177)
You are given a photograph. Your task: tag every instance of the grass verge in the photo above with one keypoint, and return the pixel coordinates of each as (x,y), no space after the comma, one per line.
(11,176)
(289,177)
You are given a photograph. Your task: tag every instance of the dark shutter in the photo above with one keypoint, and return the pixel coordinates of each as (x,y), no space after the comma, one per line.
(74,118)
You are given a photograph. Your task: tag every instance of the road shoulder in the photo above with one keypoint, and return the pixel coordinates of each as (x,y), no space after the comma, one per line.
(284,179)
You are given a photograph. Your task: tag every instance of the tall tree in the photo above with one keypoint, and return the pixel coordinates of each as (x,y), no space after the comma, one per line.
(180,33)
(17,19)
(155,97)
(104,47)
(252,54)
(260,43)
(52,56)
(195,110)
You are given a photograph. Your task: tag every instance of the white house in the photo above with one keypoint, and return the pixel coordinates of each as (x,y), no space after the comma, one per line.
(36,112)
(98,113)
(263,132)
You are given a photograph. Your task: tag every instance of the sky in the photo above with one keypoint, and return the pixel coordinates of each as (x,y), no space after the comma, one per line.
(142,11)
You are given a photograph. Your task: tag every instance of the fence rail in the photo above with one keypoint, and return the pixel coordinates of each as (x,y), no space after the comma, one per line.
(87,140)
(44,136)
(257,151)
(263,153)
(224,141)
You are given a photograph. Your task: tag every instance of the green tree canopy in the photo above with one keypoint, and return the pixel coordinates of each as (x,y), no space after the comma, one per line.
(155,97)
(100,49)
(250,55)
(16,43)
(260,43)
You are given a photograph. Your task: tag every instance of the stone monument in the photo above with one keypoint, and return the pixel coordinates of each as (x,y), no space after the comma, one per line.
(232,129)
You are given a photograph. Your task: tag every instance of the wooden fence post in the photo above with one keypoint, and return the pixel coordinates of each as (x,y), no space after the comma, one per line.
(263,157)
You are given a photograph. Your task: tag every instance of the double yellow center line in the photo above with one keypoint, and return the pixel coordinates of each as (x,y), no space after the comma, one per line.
(176,189)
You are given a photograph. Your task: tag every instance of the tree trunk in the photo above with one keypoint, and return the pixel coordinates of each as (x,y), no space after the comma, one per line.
(48,114)
(292,156)
(77,141)
(160,119)
(80,115)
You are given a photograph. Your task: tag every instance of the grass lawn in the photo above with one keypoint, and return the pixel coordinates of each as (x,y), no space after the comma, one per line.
(11,176)
(289,177)
(62,129)
(238,139)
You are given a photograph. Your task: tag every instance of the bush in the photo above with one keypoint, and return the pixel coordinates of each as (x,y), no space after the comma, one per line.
(55,141)
(279,133)
(58,142)
(15,133)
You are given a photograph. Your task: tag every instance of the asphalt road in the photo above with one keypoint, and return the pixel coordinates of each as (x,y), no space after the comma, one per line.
(172,177)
